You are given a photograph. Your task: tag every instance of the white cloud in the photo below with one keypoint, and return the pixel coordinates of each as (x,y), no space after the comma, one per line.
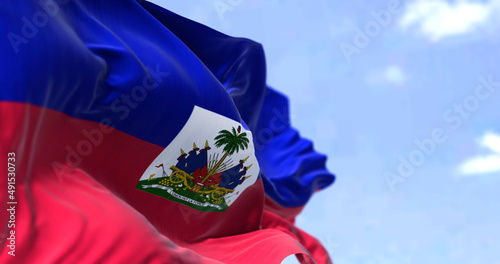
(436,19)
(481,165)
(487,163)
(491,141)
(393,74)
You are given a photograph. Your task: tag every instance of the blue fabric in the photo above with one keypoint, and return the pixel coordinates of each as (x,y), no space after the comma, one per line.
(292,170)
(116,43)
(95,51)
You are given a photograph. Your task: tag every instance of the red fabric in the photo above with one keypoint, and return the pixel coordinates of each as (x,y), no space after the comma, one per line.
(272,221)
(76,220)
(287,213)
(93,213)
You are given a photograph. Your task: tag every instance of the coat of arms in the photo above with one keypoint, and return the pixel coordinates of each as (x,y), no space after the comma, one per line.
(210,178)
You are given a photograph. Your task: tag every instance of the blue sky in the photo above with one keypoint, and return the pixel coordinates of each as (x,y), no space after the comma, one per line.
(413,77)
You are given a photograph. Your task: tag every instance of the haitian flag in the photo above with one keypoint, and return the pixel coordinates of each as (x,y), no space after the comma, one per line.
(103,105)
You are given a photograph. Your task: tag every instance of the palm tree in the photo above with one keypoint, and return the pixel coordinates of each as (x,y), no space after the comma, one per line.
(232,141)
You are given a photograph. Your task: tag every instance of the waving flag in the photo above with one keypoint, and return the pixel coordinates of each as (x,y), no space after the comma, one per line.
(104,106)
